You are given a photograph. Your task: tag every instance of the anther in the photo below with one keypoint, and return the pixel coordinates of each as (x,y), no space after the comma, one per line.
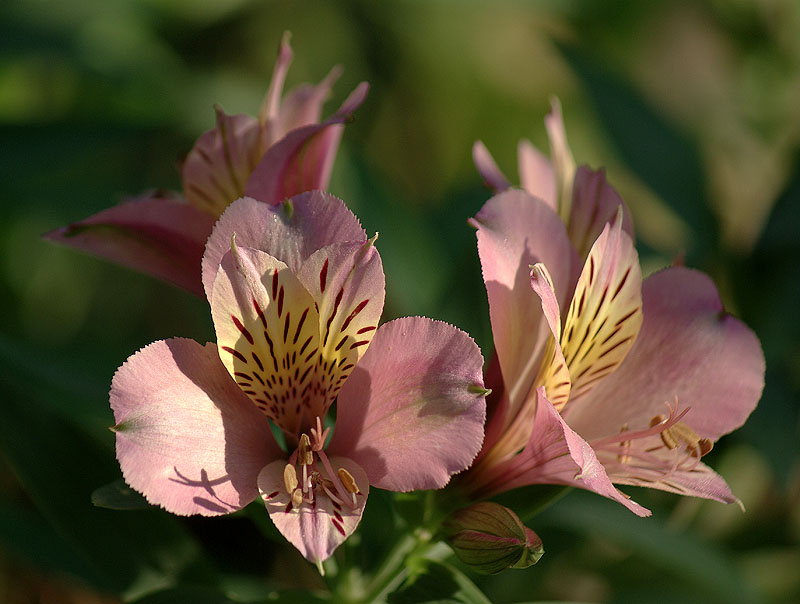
(305,456)
(348,482)
(290,478)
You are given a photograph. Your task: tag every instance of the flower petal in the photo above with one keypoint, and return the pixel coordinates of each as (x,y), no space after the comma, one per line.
(290,232)
(216,170)
(688,348)
(594,203)
(488,169)
(553,372)
(605,313)
(303,159)
(556,454)
(187,438)
(270,107)
(412,412)
(347,284)
(161,236)
(268,337)
(516,231)
(563,163)
(536,174)
(315,530)
(303,105)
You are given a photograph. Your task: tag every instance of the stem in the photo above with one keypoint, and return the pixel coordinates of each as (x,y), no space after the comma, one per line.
(393,569)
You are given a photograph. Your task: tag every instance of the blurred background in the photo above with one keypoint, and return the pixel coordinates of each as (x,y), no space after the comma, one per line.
(692,107)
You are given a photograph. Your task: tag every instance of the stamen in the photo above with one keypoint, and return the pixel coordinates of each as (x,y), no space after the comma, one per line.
(348,482)
(297,498)
(334,477)
(305,455)
(289,478)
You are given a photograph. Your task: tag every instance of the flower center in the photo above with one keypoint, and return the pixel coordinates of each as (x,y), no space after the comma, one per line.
(309,474)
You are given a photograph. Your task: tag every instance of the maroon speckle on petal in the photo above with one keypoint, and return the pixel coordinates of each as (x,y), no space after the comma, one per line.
(248,336)
(365,329)
(352,315)
(235,353)
(338,527)
(323,276)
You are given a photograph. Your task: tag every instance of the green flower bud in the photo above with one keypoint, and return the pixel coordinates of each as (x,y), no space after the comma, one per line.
(490,538)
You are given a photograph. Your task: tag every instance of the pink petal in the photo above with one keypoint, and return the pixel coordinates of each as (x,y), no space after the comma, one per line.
(556,454)
(488,169)
(563,163)
(536,174)
(303,159)
(187,438)
(594,203)
(315,530)
(290,233)
(412,412)
(688,348)
(216,170)
(268,334)
(160,236)
(303,105)
(516,231)
(268,114)
(696,481)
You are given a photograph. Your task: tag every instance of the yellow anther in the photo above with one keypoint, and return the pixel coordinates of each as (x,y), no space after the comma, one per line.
(297,498)
(348,482)
(704,445)
(305,455)
(290,478)
(681,434)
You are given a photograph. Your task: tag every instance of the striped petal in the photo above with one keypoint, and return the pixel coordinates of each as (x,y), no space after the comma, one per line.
(563,162)
(217,168)
(268,338)
(290,231)
(605,314)
(347,284)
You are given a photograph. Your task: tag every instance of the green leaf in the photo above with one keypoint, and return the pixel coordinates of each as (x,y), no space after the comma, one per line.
(701,566)
(660,155)
(433,581)
(118,495)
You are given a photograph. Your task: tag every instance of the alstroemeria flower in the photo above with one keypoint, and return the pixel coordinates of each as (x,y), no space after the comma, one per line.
(284,151)
(580,196)
(296,292)
(604,378)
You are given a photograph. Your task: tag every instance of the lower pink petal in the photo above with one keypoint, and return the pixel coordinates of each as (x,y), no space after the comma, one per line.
(188,439)
(161,236)
(412,412)
(556,454)
(315,529)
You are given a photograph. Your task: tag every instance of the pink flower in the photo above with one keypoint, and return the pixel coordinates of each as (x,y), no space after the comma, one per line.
(296,292)
(600,378)
(284,151)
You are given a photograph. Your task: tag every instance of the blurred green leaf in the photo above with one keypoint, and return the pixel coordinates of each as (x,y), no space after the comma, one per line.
(712,576)
(433,581)
(118,495)
(661,156)
(132,553)
(195,595)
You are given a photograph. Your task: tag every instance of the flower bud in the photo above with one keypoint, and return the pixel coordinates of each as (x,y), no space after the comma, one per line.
(490,538)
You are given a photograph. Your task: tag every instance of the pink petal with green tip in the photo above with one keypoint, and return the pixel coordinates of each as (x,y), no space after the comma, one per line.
(188,439)
(290,232)
(160,236)
(411,414)
(317,529)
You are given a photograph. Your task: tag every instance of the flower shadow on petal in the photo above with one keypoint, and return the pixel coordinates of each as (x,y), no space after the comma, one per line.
(248,446)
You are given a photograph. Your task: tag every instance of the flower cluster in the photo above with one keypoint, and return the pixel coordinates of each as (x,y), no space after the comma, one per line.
(306,401)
